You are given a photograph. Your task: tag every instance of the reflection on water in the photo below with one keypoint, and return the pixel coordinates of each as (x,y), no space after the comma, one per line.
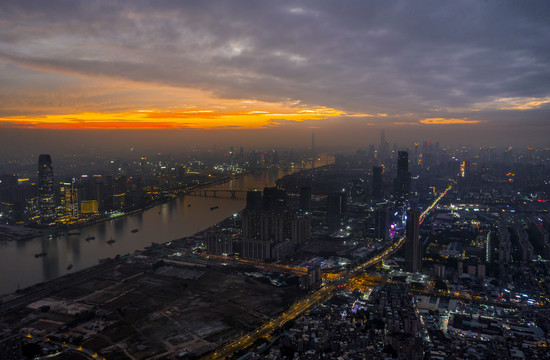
(51,260)
(20,268)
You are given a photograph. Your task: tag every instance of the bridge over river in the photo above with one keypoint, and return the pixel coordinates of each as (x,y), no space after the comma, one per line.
(219,193)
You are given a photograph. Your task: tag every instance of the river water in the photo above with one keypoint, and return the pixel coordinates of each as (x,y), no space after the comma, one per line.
(175,219)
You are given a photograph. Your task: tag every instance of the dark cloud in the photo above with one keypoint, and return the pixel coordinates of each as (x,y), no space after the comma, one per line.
(422,58)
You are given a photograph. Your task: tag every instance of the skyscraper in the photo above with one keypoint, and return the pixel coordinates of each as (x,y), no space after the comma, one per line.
(403,179)
(415,160)
(312,150)
(402,162)
(382,224)
(45,188)
(413,246)
(305,198)
(384,147)
(336,208)
(377,181)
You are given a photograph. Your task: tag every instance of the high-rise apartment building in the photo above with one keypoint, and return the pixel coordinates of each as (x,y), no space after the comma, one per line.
(413,246)
(382,225)
(253,200)
(300,228)
(269,227)
(336,208)
(305,198)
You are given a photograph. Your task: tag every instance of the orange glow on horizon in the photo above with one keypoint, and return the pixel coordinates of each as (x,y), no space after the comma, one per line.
(170,119)
(445,121)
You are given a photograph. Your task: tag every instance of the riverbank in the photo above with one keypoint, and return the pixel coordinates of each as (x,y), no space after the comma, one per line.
(165,222)
(23,233)
(14,233)
(12,300)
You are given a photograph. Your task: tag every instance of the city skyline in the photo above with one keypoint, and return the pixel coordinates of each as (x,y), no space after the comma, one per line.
(410,258)
(169,74)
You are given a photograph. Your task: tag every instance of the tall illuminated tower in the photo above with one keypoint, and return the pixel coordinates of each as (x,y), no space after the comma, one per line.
(45,189)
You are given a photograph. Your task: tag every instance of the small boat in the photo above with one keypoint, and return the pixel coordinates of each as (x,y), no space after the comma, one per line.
(73,233)
(69,267)
(111,241)
(42,254)
(214,207)
(134,231)
(90,238)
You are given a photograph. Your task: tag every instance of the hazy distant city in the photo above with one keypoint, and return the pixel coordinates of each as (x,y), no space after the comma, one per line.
(383,252)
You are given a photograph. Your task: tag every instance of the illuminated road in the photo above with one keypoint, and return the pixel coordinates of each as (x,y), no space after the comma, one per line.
(287,269)
(318,296)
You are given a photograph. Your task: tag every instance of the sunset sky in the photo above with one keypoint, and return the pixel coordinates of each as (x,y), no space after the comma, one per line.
(164,73)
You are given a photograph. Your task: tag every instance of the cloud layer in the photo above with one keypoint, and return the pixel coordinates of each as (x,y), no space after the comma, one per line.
(408,60)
